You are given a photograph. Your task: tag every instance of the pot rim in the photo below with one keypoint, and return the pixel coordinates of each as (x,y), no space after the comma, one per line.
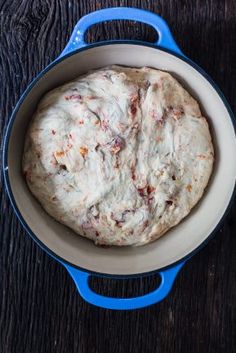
(8,134)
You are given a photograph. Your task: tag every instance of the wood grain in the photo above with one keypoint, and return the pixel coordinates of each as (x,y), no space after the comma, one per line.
(40,309)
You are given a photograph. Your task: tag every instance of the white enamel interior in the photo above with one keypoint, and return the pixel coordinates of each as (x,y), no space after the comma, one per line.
(182,239)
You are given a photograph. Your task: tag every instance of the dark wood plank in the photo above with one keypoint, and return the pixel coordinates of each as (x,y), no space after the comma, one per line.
(40,309)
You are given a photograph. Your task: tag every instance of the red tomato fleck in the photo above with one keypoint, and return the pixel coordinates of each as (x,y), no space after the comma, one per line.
(60,153)
(133,106)
(75,97)
(116,144)
(150,189)
(83,151)
(133,109)
(189,187)
(28,174)
(133,176)
(145,224)
(141,191)
(201,156)
(117,162)
(105,124)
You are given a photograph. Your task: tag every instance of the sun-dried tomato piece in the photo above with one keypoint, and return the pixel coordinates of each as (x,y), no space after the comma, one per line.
(116,144)
(150,189)
(189,187)
(59,153)
(75,97)
(83,151)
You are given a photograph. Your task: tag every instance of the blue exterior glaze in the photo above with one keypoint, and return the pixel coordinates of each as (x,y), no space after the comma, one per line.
(82,283)
(165,38)
(77,43)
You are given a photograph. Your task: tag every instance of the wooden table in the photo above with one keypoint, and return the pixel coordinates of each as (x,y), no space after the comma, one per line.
(41,310)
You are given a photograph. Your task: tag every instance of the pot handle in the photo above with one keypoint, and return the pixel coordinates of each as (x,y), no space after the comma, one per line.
(165,38)
(81,280)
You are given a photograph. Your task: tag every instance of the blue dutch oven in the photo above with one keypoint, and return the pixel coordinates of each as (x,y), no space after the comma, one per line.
(167,255)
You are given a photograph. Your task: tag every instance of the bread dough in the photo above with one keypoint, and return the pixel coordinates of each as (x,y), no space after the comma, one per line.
(120,155)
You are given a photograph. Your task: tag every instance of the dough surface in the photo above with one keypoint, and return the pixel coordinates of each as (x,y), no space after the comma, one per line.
(120,155)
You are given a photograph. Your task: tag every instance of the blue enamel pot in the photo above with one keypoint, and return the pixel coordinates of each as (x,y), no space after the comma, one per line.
(167,255)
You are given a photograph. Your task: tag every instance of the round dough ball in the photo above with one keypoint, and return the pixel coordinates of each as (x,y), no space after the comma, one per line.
(120,155)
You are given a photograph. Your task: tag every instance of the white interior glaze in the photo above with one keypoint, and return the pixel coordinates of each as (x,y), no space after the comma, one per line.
(182,239)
